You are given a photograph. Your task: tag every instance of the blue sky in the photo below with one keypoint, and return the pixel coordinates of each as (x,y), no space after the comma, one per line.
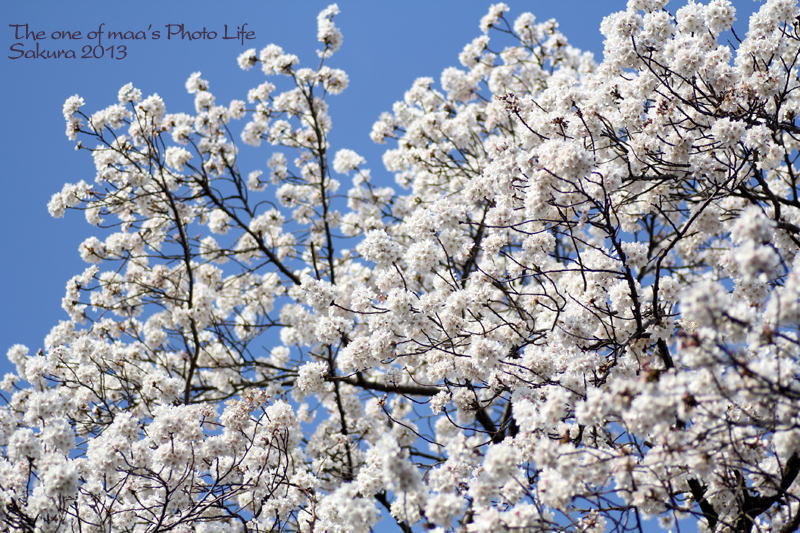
(387,45)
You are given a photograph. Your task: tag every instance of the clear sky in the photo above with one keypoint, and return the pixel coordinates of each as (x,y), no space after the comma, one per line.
(387,45)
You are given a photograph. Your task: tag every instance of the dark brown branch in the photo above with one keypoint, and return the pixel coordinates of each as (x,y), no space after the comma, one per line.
(699,494)
(753,506)
(413,390)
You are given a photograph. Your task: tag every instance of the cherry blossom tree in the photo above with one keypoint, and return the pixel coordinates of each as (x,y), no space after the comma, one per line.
(579,310)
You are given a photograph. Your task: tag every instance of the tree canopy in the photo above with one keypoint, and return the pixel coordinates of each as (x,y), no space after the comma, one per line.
(577,310)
